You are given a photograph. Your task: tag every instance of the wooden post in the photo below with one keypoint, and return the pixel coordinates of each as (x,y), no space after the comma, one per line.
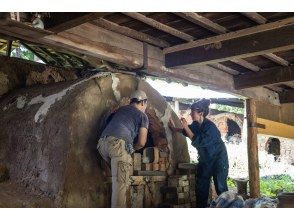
(252,148)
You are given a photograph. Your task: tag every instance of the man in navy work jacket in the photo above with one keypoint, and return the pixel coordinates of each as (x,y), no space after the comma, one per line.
(116,143)
(212,153)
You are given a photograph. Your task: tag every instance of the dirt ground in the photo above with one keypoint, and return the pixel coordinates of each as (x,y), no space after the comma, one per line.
(14,195)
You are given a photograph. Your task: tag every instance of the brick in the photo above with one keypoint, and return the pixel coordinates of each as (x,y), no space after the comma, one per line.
(147,166)
(186,188)
(162,167)
(150,155)
(137,158)
(193,198)
(179,177)
(137,196)
(155,166)
(163,154)
(183,183)
(181,195)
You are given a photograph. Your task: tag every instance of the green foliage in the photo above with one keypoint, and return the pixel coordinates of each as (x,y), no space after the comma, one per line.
(231,183)
(23,53)
(271,185)
(228,108)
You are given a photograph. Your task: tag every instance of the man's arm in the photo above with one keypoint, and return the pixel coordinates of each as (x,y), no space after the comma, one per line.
(142,138)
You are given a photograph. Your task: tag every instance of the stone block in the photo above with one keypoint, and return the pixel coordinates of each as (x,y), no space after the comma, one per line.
(137,161)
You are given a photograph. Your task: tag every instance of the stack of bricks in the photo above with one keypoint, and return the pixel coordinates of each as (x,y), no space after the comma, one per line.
(180,192)
(152,159)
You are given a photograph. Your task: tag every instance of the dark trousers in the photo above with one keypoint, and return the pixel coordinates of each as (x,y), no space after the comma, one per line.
(217,169)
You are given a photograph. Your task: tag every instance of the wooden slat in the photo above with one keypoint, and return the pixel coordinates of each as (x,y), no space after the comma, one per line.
(9,48)
(153,23)
(242,47)
(216,28)
(255,17)
(130,32)
(202,21)
(21,30)
(252,149)
(224,68)
(276,59)
(246,64)
(262,20)
(287,96)
(65,21)
(231,35)
(265,77)
(274,128)
(290,84)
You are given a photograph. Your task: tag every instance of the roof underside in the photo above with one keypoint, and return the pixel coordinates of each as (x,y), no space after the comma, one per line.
(167,30)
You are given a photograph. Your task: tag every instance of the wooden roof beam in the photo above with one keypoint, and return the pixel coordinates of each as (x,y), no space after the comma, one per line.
(155,24)
(64,21)
(255,17)
(216,28)
(264,77)
(202,21)
(111,26)
(262,20)
(232,47)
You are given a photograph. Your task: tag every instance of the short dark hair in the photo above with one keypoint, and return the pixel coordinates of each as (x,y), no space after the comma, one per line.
(201,106)
(135,100)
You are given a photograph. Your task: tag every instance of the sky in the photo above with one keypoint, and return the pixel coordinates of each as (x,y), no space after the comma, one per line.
(177,90)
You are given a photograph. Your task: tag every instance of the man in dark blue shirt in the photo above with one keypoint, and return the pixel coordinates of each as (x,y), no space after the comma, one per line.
(116,143)
(212,153)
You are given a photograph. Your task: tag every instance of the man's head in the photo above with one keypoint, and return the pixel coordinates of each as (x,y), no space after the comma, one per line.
(139,100)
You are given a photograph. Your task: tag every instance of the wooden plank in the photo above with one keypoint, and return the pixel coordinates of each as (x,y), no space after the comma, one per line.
(216,28)
(246,64)
(279,39)
(276,128)
(287,96)
(19,29)
(231,35)
(202,21)
(224,68)
(262,20)
(255,17)
(9,48)
(265,77)
(252,148)
(111,26)
(153,23)
(276,59)
(63,21)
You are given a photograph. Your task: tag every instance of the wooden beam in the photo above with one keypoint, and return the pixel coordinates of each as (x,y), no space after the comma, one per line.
(287,96)
(9,48)
(262,20)
(231,35)
(255,17)
(111,26)
(252,148)
(279,39)
(264,77)
(202,21)
(224,68)
(216,28)
(274,128)
(246,64)
(276,59)
(63,21)
(153,23)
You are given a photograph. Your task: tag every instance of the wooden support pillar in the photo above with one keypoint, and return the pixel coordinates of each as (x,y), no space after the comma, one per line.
(9,48)
(252,148)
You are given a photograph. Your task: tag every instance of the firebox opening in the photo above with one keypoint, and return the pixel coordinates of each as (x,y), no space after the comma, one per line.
(234,131)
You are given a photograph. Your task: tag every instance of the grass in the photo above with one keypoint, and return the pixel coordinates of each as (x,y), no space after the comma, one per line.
(271,185)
